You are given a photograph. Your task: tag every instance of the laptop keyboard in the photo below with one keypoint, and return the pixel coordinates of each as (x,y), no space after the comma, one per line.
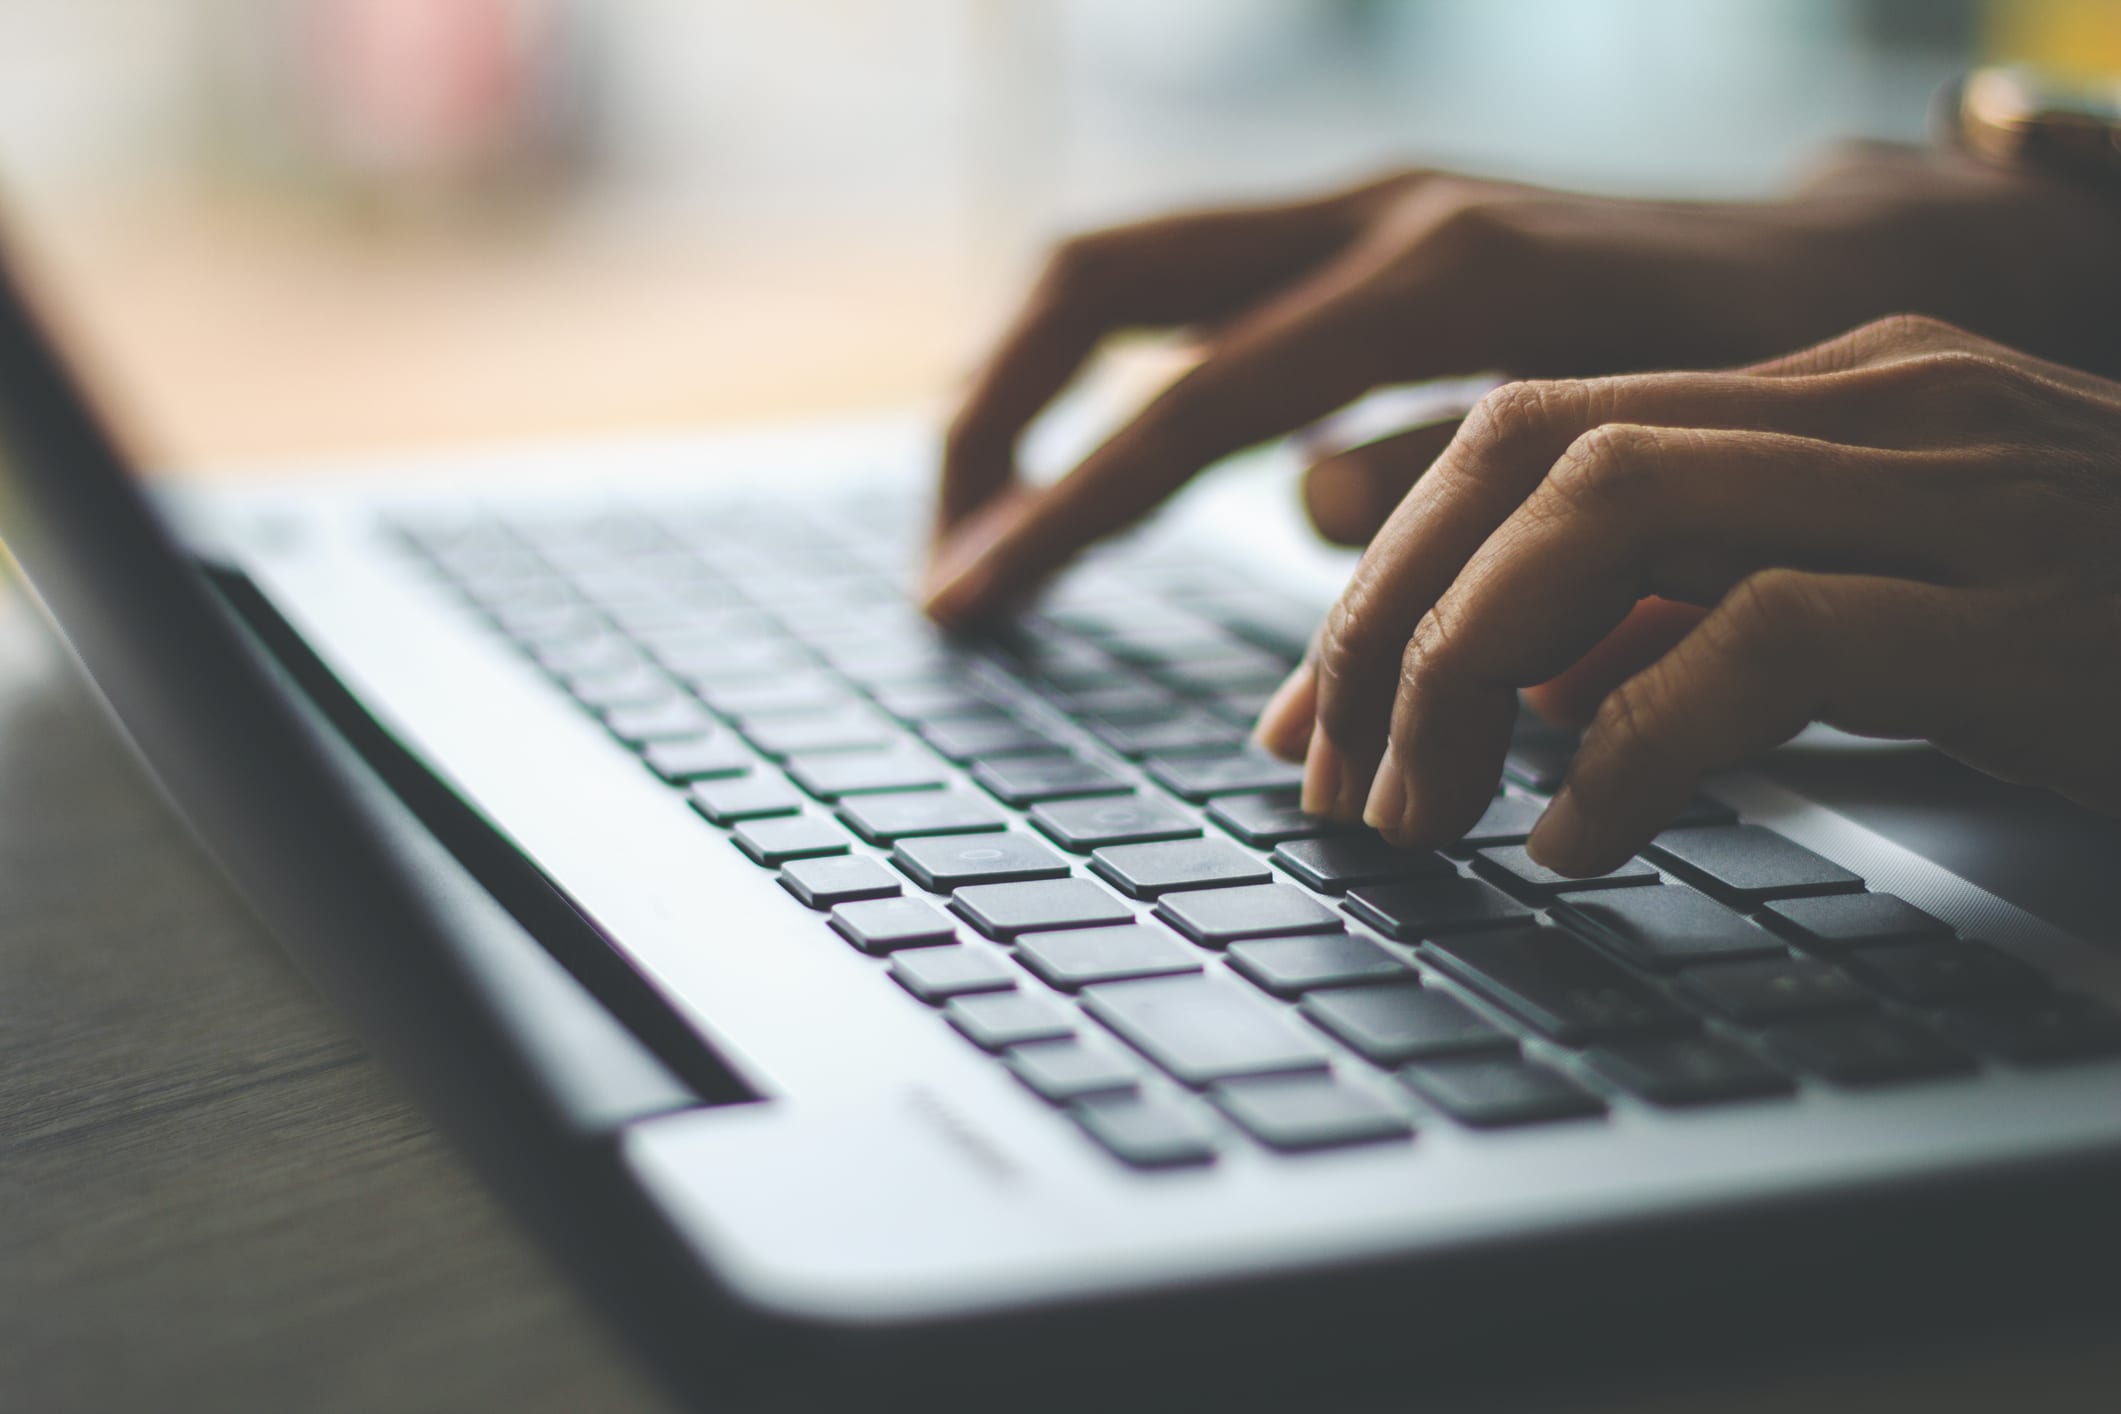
(1060,841)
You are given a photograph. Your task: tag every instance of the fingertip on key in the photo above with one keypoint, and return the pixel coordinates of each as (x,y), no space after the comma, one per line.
(1386,807)
(1560,839)
(1322,776)
(1286,723)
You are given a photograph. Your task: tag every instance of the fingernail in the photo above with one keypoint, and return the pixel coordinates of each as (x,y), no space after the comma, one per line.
(1285,721)
(1387,806)
(1559,839)
(1322,772)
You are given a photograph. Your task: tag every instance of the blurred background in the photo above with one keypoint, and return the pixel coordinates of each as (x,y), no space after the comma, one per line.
(287,227)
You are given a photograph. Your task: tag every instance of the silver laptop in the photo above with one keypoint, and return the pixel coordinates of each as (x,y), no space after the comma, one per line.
(851,1008)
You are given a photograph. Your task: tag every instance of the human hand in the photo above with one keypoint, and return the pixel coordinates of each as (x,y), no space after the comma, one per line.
(1303,307)
(1907,531)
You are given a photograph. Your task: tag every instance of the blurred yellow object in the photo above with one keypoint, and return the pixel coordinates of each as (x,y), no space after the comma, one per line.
(2071,38)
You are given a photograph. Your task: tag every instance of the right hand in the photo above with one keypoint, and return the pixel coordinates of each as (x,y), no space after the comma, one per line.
(1304,307)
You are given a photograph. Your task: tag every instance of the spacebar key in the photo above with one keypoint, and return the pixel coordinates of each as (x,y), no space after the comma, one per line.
(1202,1029)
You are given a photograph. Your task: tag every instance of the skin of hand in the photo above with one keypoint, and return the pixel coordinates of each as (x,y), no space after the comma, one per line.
(1907,531)
(1300,308)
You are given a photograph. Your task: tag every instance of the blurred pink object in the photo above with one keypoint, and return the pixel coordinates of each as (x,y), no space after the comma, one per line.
(433,90)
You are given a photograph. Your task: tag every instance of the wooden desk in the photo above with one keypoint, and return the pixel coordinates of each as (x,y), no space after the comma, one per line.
(210,1200)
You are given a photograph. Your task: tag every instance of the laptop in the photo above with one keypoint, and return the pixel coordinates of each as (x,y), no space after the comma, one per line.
(860,1013)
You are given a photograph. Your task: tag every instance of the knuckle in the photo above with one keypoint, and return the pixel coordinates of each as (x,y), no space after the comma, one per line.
(1609,467)
(1079,264)
(1624,725)
(1340,639)
(1521,410)
(1431,657)
(1469,228)
(968,436)
(1912,331)
(1968,389)
(1775,613)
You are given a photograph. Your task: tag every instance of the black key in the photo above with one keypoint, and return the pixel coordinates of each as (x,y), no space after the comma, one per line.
(584,655)
(1155,646)
(536,623)
(1539,760)
(1181,733)
(1266,820)
(1082,956)
(938,974)
(1146,1134)
(1749,864)
(793,695)
(707,661)
(1027,780)
(1115,698)
(1491,1092)
(1336,863)
(1865,1050)
(1393,1024)
(783,737)
(1150,870)
(2037,1031)
(1287,966)
(830,778)
(1240,707)
(888,924)
(776,841)
(749,798)
(1218,917)
(1063,1071)
(704,758)
(979,738)
(1689,1070)
(887,819)
(932,702)
(1199,778)
(1510,866)
(1097,821)
(1295,1113)
(941,863)
(1005,910)
(1669,927)
(1775,989)
(999,1020)
(1837,922)
(1229,673)
(1201,1029)
(825,881)
(672,719)
(1703,811)
(1558,984)
(638,686)
(1945,971)
(1507,820)
(1423,908)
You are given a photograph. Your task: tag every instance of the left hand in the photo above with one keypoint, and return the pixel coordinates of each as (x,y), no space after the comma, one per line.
(1907,531)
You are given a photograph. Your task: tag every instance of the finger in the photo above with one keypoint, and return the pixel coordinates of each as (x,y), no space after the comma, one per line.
(1626,512)
(1350,494)
(1284,727)
(1648,632)
(1176,270)
(1501,452)
(1878,656)
(1297,362)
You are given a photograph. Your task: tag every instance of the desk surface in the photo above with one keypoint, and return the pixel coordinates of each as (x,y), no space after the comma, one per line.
(211,1200)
